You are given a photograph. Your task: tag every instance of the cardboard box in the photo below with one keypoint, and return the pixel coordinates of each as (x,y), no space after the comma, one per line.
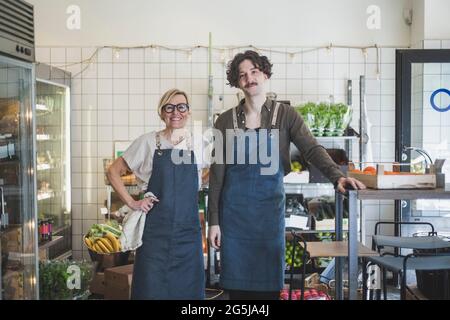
(97,285)
(118,282)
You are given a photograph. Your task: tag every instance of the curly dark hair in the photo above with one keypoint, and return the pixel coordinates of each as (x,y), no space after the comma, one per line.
(260,62)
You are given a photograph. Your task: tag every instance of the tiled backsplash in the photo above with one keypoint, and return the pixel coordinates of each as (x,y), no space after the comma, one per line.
(116,97)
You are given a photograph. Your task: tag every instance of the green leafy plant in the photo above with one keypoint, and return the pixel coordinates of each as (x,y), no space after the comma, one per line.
(324,118)
(341,114)
(54,276)
(323,115)
(98,230)
(307,111)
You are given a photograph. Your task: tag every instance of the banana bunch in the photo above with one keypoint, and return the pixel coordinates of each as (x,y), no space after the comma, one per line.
(109,243)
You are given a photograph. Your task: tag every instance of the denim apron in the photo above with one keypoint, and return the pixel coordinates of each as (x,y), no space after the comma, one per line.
(169,264)
(252,222)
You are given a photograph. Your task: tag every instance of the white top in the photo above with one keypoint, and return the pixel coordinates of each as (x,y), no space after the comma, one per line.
(139,156)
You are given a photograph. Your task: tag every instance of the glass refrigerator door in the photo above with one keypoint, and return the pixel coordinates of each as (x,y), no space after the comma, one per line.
(53,168)
(423,131)
(18,237)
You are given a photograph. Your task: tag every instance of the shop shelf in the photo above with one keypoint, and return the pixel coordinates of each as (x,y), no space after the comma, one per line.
(336,138)
(46,244)
(43,137)
(45,195)
(44,166)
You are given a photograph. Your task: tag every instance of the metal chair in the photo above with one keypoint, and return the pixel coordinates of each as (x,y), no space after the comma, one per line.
(399,264)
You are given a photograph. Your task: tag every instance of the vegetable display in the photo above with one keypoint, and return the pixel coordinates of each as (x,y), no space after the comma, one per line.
(325,119)
(56,276)
(104,238)
(297,255)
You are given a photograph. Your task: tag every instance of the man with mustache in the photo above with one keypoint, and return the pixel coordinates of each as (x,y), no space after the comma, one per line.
(246,206)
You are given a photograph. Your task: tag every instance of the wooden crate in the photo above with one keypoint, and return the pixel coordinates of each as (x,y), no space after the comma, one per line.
(400,180)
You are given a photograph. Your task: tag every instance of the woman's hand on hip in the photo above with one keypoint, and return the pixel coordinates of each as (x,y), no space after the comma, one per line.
(214,236)
(145,204)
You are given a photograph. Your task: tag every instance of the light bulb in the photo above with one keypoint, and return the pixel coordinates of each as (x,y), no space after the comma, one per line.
(117,53)
(292,57)
(365,53)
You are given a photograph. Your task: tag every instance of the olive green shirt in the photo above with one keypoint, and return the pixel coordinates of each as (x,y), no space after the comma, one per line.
(292,128)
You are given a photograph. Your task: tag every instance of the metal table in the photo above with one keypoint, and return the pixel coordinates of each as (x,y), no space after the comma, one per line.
(369,194)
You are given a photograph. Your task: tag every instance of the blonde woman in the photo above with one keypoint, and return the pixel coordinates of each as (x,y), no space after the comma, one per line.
(169,264)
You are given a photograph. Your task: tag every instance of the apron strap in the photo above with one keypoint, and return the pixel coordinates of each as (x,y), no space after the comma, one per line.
(235,123)
(188,142)
(158,142)
(275,115)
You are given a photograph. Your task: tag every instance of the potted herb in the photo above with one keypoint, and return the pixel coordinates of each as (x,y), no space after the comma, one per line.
(325,119)
(307,111)
(341,115)
(64,280)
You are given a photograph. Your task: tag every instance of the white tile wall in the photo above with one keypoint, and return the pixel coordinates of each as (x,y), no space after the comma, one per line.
(116,98)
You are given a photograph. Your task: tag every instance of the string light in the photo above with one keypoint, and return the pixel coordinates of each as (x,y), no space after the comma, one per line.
(117,53)
(378,62)
(365,53)
(292,57)
(226,53)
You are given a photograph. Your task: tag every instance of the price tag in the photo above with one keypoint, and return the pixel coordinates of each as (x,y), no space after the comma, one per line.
(103,211)
(295,221)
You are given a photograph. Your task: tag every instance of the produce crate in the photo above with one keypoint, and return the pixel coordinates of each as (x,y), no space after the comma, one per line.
(97,284)
(316,292)
(118,282)
(381,179)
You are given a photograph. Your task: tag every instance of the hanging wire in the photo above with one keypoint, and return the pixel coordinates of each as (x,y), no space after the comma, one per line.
(220,292)
(378,62)
(230,49)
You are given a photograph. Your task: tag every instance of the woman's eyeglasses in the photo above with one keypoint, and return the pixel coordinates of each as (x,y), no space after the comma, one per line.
(181,107)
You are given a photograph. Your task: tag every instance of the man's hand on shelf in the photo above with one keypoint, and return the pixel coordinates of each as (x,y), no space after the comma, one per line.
(344,183)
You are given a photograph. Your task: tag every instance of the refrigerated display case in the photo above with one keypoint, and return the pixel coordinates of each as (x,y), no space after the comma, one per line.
(53,162)
(18,236)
